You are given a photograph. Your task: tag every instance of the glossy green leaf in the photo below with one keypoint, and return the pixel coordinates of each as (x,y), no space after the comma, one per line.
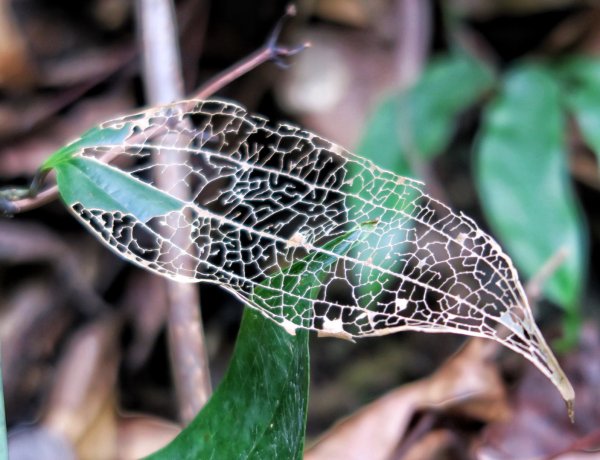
(524,183)
(420,121)
(259,409)
(96,185)
(93,137)
(580,77)
(578,70)
(415,126)
(3,441)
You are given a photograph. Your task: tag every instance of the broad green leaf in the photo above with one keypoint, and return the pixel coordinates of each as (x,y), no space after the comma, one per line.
(524,182)
(381,138)
(259,409)
(414,126)
(3,441)
(578,70)
(265,196)
(418,123)
(581,88)
(113,136)
(95,185)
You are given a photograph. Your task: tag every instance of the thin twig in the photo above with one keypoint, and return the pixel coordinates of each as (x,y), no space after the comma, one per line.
(412,49)
(534,287)
(164,83)
(588,444)
(270,51)
(412,41)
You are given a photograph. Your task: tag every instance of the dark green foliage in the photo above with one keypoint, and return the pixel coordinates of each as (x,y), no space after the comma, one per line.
(259,409)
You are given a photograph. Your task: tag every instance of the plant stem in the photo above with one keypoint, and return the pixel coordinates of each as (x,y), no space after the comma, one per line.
(270,51)
(3,441)
(164,84)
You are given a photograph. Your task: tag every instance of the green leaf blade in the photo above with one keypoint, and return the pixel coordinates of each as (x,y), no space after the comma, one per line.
(523,182)
(581,89)
(96,185)
(110,136)
(3,437)
(259,410)
(419,121)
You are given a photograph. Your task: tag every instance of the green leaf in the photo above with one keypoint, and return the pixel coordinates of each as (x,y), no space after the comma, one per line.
(415,126)
(3,441)
(578,70)
(420,121)
(524,183)
(259,409)
(111,136)
(581,88)
(96,185)
(381,142)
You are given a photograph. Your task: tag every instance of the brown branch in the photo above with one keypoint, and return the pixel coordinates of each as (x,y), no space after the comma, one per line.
(270,51)
(536,283)
(163,82)
(412,49)
(413,40)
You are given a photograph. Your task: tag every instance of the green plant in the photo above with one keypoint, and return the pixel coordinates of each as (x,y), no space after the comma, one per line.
(286,197)
(519,155)
(283,219)
(3,443)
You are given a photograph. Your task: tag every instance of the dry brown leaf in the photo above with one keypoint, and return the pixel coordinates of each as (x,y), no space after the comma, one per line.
(85,380)
(16,66)
(538,428)
(140,435)
(145,301)
(438,444)
(468,384)
(32,321)
(99,441)
(354,13)
(80,419)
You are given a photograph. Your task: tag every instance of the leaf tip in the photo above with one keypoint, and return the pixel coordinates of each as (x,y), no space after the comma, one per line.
(571,409)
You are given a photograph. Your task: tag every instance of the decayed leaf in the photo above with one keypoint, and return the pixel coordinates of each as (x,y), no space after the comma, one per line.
(265,196)
(468,384)
(534,430)
(79,415)
(138,435)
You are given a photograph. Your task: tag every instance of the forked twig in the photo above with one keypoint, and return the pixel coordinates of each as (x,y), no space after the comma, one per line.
(270,51)
(534,287)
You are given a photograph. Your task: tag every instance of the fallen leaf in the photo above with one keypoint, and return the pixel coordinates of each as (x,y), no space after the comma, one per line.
(139,435)
(537,427)
(468,384)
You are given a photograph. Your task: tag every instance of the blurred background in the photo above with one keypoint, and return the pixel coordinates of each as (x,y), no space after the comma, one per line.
(494,104)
